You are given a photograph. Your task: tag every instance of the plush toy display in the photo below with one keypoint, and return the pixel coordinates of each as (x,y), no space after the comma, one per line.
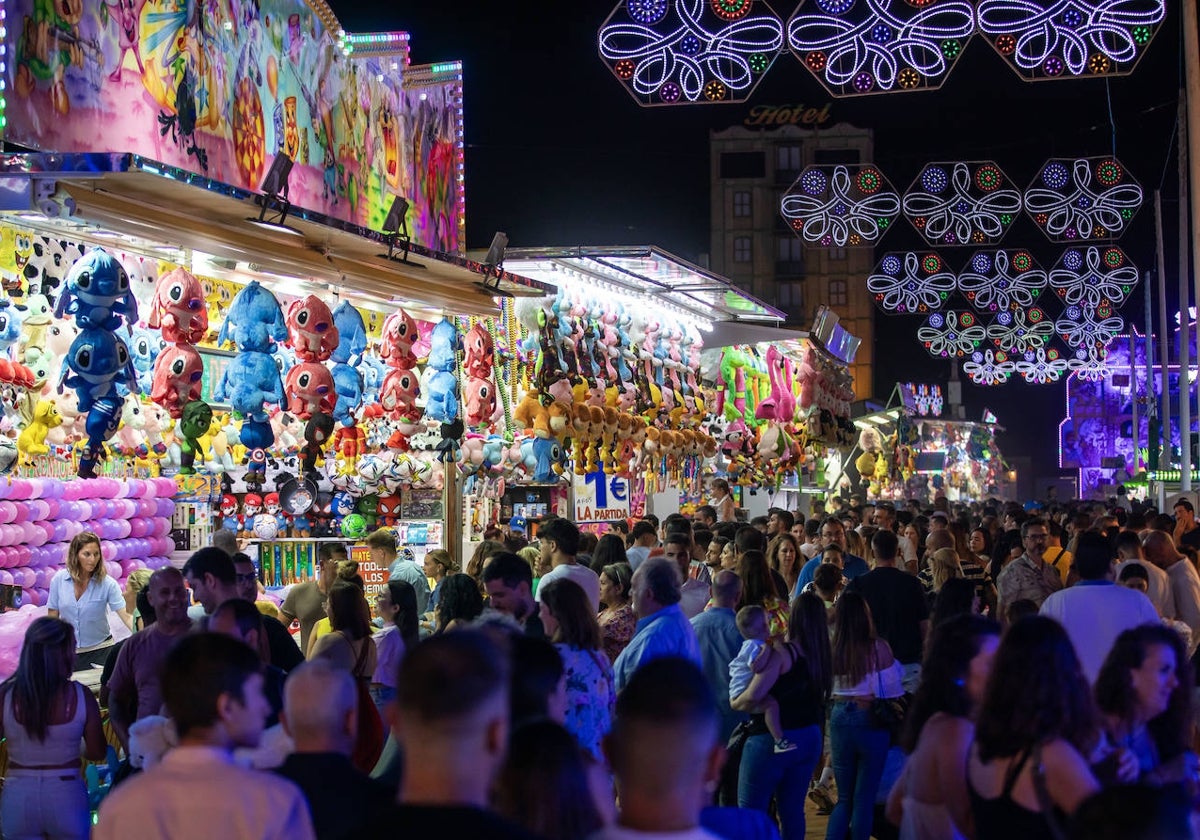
(97,292)
(310,390)
(255,321)
(352,335)
(179,308)
(32,441)
(312,333)
(249,384)
(178,373)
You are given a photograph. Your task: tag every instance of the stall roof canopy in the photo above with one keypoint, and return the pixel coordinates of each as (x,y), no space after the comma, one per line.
(647,270)
(153,202)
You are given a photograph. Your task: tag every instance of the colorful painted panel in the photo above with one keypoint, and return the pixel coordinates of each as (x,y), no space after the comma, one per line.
(218,89)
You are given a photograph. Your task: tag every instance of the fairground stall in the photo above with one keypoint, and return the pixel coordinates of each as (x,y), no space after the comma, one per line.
(909,451)
(607,384)
(234,294)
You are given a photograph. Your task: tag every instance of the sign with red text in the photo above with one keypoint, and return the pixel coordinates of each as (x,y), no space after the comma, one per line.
(601,498)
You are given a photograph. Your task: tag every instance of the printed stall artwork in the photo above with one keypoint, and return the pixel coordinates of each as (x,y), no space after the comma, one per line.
(218,89)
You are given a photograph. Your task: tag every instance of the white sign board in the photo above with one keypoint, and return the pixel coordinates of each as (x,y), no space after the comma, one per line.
(601,498)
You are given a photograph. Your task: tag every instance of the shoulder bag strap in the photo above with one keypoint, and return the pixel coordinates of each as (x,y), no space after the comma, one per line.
(1042,792)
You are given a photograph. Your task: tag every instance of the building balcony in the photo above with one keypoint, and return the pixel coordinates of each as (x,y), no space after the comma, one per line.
(789,268)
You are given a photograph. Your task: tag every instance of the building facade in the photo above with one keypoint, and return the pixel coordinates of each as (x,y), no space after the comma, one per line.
(752,244)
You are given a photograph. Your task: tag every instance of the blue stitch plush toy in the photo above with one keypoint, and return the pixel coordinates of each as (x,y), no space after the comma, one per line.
(352,335)
(97,292)
(255,321)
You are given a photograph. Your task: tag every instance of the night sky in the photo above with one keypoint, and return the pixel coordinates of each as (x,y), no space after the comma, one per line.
(559,154)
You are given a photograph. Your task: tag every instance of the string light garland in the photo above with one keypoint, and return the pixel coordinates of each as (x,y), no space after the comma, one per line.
(1083,199)
(910,282)
(841,206)
(668,52)
(1050,39)
(953,334)
(962,203)
(994,281)
(857,47)
(1093,276)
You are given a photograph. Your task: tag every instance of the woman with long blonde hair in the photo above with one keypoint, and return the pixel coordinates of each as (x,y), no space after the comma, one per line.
(82,595)
(43,717)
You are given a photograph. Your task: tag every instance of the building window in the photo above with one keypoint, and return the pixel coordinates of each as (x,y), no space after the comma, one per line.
(741,204)
(789,158)
(790,249)
(741,249)
(837,293)
(837,254)
(743,165)
(791,296)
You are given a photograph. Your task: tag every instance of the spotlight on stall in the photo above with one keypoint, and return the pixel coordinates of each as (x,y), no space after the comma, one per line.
(493,267)
(274,198)
(395,232)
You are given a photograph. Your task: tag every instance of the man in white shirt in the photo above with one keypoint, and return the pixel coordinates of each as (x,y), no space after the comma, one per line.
(1129,552)
(664,752)
(1185,583)
(559,541)
(1095,610)
(645,538)
(213,688)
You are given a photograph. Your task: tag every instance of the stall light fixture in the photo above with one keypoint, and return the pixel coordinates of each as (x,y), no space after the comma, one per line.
(274,198)
(395,231)
(493,266)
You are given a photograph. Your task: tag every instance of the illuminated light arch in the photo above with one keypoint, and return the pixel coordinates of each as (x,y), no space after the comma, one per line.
(952,334)
(1052,39)
(911,282)
(857,47)
(679,52)
(988,367)
(1042,365)
(1093,276)
(1021,330)
(1083,199)
(962,203)
(840,206)
(1007,279)
(1087,327)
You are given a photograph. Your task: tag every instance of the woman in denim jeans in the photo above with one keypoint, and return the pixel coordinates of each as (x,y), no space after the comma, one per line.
(863,669)
(797,674)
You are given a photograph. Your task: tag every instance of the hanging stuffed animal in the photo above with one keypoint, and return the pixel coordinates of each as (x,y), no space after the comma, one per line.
(35,327)
(352,335)
(400,332)
(177,378)
(103,418)
(179,307)
(348,385)
(442,404)
(398,395)
(249,383)
(480,396)
(97,292)
(479,352)
(310,390)
(193,424)
(254,322)
(311,330)
(32,440)
(97,365)
(144,347)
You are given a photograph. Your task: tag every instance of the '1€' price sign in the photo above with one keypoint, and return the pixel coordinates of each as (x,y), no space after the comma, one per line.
(601,498)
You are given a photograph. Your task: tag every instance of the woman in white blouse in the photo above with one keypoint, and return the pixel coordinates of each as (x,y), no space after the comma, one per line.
(82,594)
(722,500)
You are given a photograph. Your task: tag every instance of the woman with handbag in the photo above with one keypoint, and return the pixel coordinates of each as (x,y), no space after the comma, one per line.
(929,801)
(868,703)
(798,675)
(1027,770)
(349,646)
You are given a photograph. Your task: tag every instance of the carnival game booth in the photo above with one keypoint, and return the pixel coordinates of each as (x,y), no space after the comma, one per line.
(250,287)
(784,406)
(907,451)
(609,405)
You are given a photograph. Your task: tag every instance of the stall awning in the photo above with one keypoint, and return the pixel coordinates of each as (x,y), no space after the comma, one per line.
(142,198)
(649,272)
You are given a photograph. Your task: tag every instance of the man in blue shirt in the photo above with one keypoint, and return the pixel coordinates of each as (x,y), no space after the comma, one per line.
(720,640)
(662,628)
(833,533)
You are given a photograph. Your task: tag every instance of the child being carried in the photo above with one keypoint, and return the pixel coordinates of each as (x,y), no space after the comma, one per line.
(752,623)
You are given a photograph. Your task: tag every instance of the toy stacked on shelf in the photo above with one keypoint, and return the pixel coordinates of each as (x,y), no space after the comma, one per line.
(39,517)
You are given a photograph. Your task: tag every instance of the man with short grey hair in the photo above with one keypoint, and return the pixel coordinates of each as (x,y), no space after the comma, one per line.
(320,714)
(720,640)
(662,628)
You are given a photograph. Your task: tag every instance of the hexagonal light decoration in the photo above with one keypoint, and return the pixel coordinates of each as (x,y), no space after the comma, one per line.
(953,334)
(1089,326)
(988,367)
(911,282)
(1093,276)
(1054,39)
(962,203)
(1083,199)
(1042,365)
(1004,280)
(858,47)
(1018,331)
(680,52)
(840,205)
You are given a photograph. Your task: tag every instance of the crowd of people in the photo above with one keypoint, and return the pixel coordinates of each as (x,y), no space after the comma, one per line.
(958,671)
